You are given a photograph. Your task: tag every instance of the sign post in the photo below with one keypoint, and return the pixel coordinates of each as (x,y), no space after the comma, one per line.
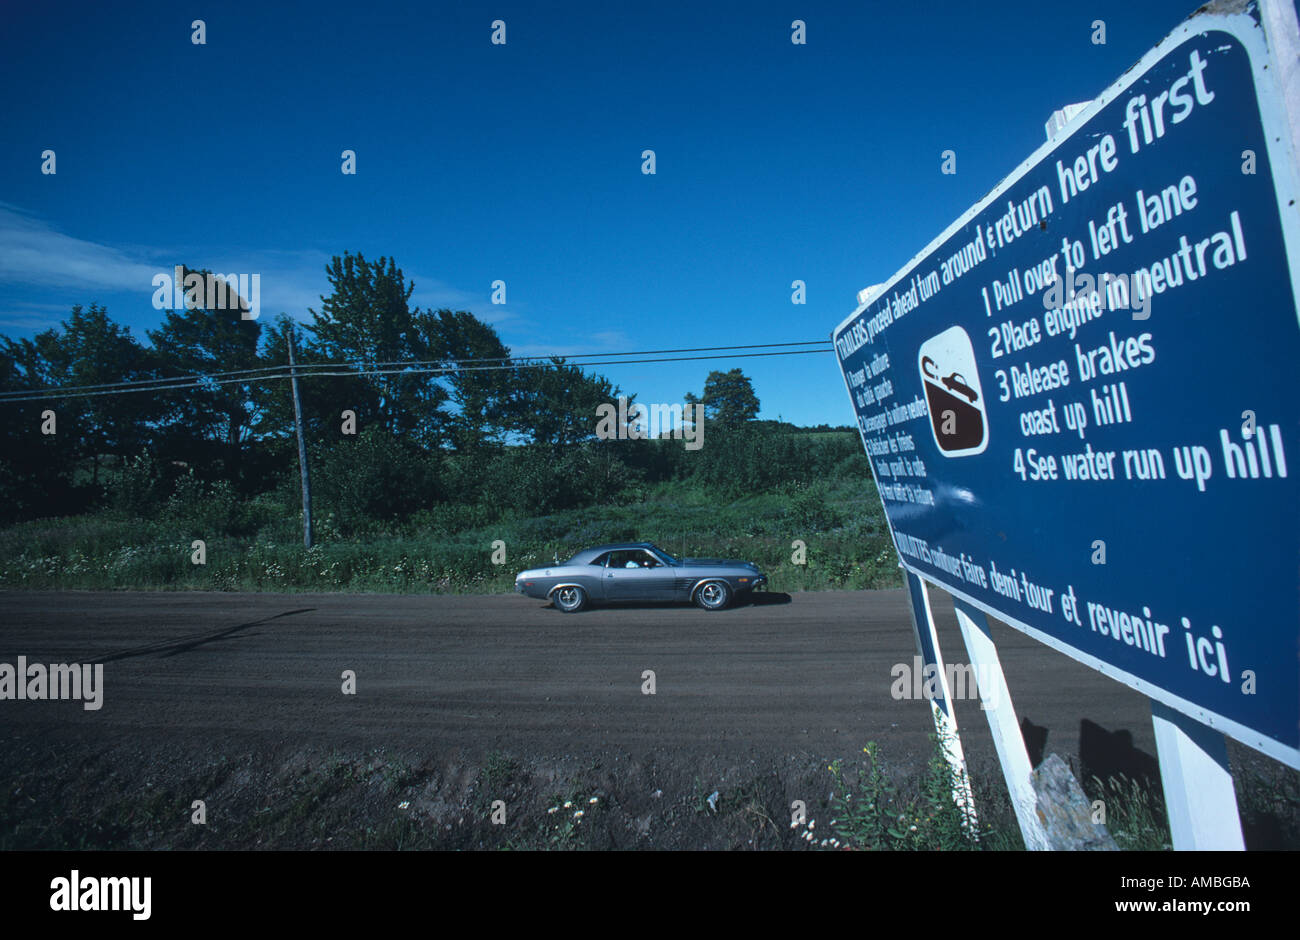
(995,699)
(941,703)
(1080,405)
(1199,795)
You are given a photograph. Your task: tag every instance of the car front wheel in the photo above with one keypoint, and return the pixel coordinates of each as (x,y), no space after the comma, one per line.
(713,595)
(570,599)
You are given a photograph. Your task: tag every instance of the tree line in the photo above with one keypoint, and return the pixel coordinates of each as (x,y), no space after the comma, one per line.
(441,412)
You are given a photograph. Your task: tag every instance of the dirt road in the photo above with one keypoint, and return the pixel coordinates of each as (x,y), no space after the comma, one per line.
(811,675)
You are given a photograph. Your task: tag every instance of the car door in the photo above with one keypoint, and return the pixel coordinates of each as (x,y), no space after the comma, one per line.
(636,575)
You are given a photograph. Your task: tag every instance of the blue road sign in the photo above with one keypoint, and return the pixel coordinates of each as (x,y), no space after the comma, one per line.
(1082,401)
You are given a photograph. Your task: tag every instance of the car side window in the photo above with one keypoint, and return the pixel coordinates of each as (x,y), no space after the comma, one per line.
(602,560)
(636,558)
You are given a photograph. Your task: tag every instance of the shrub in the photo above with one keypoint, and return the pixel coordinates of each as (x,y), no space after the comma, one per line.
(372,478)
(137,491)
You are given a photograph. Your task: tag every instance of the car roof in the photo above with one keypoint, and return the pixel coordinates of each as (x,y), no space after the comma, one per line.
(584,556)
(621,547)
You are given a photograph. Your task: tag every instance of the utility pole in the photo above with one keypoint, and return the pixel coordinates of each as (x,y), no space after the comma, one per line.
(302,446)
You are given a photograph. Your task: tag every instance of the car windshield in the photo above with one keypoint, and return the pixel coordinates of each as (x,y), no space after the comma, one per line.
(665,556)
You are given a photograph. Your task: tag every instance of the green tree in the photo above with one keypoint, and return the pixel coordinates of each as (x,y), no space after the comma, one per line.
(208,428)
(324,398)
(480,385)
(555,403)
(36,474)
(367,322)
(729,398)
(89,349)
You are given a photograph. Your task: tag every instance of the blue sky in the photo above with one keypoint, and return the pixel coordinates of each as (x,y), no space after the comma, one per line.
(522,162)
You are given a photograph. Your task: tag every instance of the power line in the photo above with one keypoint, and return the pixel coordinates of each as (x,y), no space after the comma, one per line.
(273,373)
(303,369)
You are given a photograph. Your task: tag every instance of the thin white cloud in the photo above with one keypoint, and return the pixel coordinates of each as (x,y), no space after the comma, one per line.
(33,252)
(32,320)
(433,294)
(603,342)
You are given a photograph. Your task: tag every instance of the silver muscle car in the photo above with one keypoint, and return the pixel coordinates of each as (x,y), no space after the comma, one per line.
(639,571)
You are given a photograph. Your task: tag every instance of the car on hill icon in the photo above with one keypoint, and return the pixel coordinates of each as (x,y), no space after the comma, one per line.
(957,383)
(954,399)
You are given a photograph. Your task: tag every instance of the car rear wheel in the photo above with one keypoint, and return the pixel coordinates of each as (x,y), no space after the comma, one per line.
(570,599)
(713,595)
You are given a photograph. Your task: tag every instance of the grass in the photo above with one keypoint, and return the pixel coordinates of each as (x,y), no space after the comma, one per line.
(836,531)
(374,800)
(1134,814)
(562,828)
(870,812)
